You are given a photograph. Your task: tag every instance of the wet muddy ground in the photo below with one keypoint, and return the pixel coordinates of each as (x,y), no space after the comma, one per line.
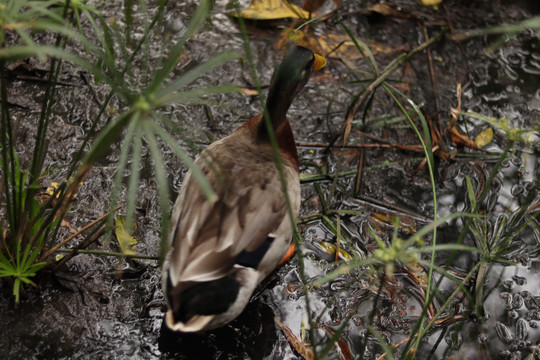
(102,307)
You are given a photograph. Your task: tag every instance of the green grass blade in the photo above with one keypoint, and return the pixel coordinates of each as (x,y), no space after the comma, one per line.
(196,23)
(205,186)
(107,136)
(163,184)
(196,72)
(364,50)
(133,185)
(188,96)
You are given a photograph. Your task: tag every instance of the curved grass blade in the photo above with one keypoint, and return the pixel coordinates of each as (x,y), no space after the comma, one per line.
(187,96)
(196,23)
(197,72)
(205,186)
(161,177)
(133,185)
(363,49)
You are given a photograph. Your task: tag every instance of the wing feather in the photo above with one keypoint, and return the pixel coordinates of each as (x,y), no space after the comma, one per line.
(208,237)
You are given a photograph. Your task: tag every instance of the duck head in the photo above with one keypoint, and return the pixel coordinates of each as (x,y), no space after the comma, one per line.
(288,79)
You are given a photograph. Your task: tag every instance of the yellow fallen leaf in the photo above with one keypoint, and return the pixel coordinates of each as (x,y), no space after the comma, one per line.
(271,10)
(296,36)
(51,189)
(290,37)
(330,248)
(127,242)
(249,92)
(344,255)
(54,186)
(383,9)
(484,137)
(327,247)
(431,2)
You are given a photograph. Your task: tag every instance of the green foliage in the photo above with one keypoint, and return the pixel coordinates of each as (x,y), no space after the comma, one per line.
(493,232)
(108,54)
(27,225)
(528,137)
(24,239)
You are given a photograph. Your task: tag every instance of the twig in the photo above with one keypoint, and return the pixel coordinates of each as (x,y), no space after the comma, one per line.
(393,66)
(395,346)
(109,253)
(56,247)
(435,132)
(453,32)
(360,170)
(92,238)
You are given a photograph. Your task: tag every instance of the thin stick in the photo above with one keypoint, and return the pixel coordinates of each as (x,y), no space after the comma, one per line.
(88,241)
(109,253)
(377,82)
(56,247)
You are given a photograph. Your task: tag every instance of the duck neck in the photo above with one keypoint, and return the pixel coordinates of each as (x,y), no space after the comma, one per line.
(277,105)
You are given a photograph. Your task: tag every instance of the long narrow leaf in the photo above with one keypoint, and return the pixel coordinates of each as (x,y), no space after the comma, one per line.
(196,22)
(203,183)
(107,136)
(364,50)
(197,71)
(21,52)
(185,96)
(163,186)
(134,173)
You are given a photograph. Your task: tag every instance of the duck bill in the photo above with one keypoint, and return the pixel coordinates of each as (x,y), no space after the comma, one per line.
(320,62)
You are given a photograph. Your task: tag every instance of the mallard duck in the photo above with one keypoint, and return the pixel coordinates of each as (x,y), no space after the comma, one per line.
(220,251)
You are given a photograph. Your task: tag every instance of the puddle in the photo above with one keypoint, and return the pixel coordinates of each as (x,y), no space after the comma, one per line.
(100,307)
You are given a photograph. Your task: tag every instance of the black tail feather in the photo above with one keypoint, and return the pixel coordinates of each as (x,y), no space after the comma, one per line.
(204,298)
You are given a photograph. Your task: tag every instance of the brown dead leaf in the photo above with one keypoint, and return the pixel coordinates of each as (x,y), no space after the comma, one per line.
(343,349)
(417,274)
(406,223)
(341,46)
(403,87)
(348,154)
(67,225)
(313,5)
(460,139)
(321,9)
(303,349)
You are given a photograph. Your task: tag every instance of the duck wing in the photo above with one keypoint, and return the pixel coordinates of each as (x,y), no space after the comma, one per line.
(208,238)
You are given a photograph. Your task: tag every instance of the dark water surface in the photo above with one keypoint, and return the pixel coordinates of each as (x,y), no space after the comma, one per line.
(100,307)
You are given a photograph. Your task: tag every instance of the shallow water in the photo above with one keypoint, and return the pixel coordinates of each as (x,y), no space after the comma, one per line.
(100,307)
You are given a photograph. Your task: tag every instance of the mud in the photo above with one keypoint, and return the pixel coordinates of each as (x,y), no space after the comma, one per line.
(103,307)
